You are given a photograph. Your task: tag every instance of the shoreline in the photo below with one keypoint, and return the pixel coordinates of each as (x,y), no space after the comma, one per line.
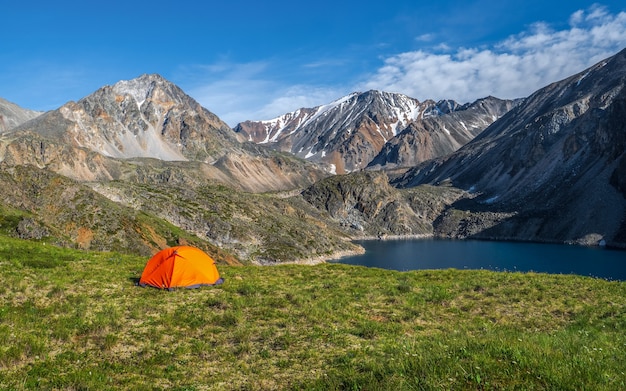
(319,259)
(580,243)
(394,237)
(337,255)
(348,253)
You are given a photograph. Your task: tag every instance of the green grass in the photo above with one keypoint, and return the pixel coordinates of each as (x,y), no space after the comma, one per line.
(73,320)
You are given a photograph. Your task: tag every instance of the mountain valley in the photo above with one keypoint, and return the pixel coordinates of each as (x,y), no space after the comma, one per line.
(140,165)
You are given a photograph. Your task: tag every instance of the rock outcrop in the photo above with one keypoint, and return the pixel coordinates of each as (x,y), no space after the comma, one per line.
(366,206)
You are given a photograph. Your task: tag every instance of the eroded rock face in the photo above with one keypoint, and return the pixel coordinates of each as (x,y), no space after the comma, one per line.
(29,228)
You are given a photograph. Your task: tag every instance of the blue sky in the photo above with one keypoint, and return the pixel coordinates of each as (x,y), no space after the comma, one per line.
(256,60)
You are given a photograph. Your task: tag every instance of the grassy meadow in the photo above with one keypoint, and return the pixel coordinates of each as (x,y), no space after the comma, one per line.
(74,320)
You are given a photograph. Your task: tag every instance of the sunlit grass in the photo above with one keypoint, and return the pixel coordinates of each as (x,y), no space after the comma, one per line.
(73,320)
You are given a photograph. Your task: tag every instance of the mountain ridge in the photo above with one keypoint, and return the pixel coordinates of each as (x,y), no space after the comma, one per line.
(556,161)
(348,133)
(12,115)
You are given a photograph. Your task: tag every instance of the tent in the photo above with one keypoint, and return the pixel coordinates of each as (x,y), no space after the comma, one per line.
(180,267)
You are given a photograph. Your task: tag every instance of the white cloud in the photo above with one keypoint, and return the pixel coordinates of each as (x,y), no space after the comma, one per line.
(425,38)
(577,17)
(513,68)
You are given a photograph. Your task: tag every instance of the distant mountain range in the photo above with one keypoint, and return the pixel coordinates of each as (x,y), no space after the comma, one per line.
(140,165)
(375,128)
(12,115)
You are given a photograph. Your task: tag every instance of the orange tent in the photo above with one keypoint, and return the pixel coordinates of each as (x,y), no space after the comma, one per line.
(180,267)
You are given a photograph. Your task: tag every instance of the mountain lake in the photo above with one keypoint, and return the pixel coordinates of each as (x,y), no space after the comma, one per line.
(418,254)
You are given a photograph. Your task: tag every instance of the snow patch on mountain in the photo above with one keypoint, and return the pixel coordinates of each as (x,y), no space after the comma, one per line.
(298,119)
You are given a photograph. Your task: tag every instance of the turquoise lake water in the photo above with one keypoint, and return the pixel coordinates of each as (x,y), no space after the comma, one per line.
(416,254)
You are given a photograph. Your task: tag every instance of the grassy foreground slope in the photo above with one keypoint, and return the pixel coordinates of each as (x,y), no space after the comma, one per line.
(74,320)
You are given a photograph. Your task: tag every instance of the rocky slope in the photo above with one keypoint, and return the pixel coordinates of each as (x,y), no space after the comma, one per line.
(233,226)
(440,135)
(256,228)
(552,168)
(347,134)
(366,206)
(38,204)
(12,115)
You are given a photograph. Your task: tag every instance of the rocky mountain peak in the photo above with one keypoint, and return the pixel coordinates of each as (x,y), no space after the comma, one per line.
(445,127)
(446,106)
(151,87)
(144,117)
(138,88)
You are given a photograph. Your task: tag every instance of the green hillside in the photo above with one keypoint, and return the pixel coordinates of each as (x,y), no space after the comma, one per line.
(74,320)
